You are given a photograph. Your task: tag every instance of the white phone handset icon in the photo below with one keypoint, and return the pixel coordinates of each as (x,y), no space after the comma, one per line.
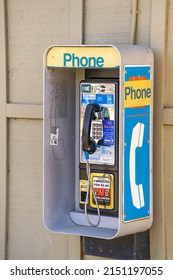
(136,190)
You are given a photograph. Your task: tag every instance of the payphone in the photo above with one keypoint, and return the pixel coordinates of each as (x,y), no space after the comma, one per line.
(98,147)
(98,122)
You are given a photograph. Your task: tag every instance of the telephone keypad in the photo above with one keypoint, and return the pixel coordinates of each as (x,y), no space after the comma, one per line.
(97,130)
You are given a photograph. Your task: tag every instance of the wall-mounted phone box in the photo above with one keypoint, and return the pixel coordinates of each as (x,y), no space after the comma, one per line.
(98,137)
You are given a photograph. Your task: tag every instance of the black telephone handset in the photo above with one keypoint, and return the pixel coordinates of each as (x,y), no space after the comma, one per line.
(88,144)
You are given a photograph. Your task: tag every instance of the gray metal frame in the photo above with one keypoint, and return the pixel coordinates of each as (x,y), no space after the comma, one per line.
(61,213)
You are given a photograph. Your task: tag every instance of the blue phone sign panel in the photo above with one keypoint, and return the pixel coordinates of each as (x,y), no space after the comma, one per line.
(137,105)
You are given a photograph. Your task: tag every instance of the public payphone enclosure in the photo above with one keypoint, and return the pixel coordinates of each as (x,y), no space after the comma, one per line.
(97,132)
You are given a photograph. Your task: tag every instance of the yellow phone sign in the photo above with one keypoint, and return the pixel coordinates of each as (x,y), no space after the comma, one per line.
(137,93)
(83,57)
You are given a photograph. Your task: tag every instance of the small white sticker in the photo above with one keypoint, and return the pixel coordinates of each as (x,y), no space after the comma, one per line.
(54,138)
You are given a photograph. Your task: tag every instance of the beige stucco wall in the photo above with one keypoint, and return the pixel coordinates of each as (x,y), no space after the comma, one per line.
(27,28)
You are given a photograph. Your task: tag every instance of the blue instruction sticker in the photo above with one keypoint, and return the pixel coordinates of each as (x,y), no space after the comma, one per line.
(101,99)
(108,132)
